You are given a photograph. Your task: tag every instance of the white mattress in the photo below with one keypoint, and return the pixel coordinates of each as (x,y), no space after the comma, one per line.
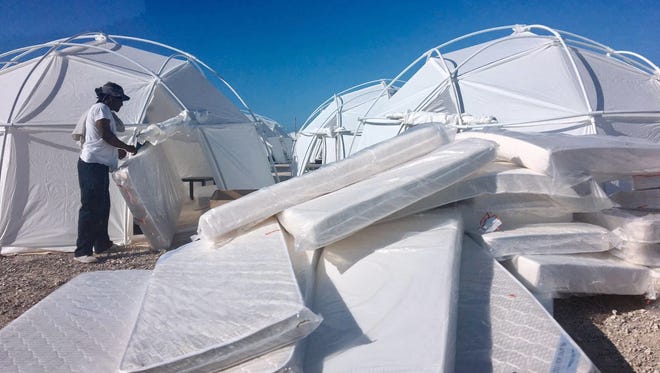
(210,309)
(226,221)
(629,225)
(502,328)
(507,178)
(388,296)
(567,155)
(513,210)
(153,194)
(646,254)
(551,238)
(594,273)
(638,199)
(81,327)
(337,215)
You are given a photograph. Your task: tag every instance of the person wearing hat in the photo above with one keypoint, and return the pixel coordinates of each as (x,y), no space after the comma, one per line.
(100,152)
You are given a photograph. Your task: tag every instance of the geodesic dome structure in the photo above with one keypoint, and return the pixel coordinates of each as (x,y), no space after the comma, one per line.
(528,78)
(46,88)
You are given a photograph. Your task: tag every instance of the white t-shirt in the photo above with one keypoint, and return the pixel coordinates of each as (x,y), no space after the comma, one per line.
(95,149)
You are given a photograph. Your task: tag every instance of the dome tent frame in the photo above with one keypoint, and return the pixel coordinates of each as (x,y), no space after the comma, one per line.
(51,85)
(572,47)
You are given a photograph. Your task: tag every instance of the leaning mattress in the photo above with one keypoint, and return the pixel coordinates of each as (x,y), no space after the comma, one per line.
(81,327)
(224,222)
(501,326)
(211,309)
(153,194)
(337,215)
(388,297)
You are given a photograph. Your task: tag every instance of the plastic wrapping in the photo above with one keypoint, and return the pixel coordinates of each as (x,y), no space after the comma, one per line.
(646,254)
(512,210)
(593,273)
(337,215)
(561,155)
(159,132)
(246,303)
(640,182)
(224,222)
(506,178)
(551,238)
(388,297)
(153,194)
(503,328)
(629,225)
(81,327)
(638,199)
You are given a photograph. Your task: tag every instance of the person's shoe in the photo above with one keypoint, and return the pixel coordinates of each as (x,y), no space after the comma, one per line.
(110,249)
(85,259)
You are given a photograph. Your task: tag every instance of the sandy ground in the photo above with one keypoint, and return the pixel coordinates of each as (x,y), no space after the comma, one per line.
(619,333)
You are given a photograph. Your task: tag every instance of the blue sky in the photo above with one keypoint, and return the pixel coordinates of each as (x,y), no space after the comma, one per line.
(286,57)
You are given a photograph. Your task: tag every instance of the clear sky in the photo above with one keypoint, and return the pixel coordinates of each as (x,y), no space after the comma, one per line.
(286,57)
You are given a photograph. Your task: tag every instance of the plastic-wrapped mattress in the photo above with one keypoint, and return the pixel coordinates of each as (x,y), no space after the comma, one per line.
(153,194)
(507,178)
(629,225)
(561,155)
(551,238)
(226,221)
(501,327)
(388,298)
(81,327)
(210,309)
(337,215)
(638,199)
(593,273)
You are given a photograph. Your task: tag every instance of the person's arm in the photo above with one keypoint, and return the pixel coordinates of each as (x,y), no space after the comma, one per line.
(103,125)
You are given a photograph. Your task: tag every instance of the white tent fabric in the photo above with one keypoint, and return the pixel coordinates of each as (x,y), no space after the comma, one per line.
(534,79)
(45,89)
(329,131)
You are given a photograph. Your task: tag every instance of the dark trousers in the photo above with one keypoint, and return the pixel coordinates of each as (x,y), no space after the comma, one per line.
(94,212)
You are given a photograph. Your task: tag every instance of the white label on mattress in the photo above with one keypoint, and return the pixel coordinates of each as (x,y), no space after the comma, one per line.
(566,357)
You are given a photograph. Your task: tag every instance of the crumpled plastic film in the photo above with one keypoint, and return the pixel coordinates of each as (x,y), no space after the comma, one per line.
(642,253)
(224,222)
(629,225)
(159,132)
(153,194)
(337,215)
(567,156)
(507,178)
(552,238)
(638,199)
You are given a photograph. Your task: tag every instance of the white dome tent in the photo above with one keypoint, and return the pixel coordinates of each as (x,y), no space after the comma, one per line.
(534,79)
(47,87)
(326,133)
(278,142)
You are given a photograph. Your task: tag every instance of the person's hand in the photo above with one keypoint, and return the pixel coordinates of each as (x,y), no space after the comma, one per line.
(122,153)
(131,149)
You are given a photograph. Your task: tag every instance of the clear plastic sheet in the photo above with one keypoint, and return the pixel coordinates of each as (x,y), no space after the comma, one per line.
(224,222)
(153,194)
(246,303)
(646,254)
(388,296)
(638,199)
(548,238)
(159,132)
(593,273)
(81,327)
(513,210)
(628,225)
(567,156)
(503,328)
(506,178)
(337,215)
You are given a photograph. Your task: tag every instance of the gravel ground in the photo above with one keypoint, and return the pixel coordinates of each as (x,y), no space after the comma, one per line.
(619,333)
